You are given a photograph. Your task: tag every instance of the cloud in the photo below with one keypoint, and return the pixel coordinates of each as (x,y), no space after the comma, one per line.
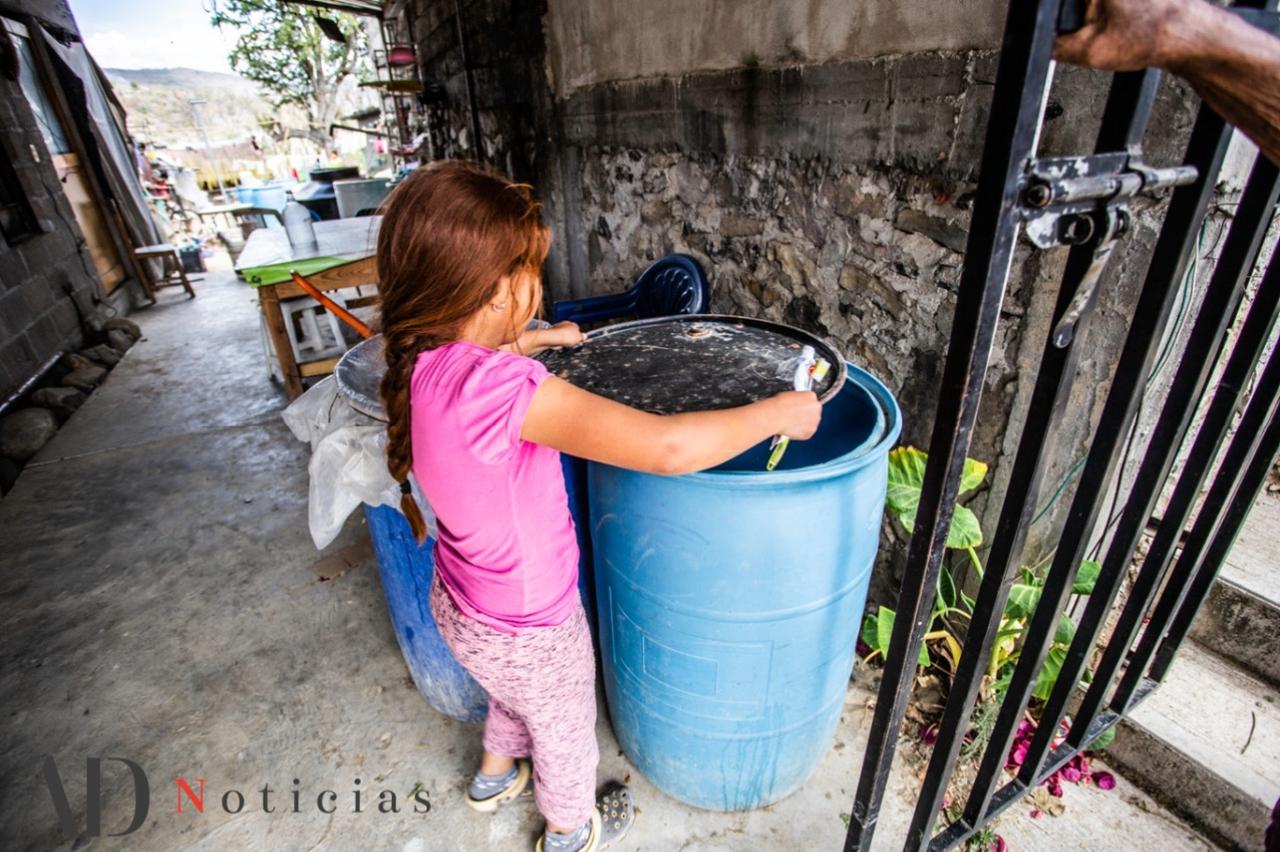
(203,48)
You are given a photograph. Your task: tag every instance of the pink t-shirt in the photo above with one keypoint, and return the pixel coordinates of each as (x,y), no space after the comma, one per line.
(507,551)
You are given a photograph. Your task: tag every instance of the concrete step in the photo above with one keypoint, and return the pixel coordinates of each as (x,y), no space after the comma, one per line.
(1242,626)
(1206,744)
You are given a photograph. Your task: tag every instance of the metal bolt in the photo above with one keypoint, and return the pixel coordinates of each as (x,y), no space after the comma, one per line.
(1039,195)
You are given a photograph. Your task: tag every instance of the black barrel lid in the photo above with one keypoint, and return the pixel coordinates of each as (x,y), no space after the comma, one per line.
(696,362)
(692,362)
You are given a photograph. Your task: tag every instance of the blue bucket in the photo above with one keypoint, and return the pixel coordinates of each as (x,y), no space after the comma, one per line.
(406,568)
(729,604)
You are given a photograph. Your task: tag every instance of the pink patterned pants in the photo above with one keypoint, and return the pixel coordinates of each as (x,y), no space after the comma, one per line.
(542,701)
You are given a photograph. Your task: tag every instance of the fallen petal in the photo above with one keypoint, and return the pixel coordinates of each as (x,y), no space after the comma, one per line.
(1104,780)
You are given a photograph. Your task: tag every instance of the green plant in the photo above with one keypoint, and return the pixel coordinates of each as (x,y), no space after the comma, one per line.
(951,604)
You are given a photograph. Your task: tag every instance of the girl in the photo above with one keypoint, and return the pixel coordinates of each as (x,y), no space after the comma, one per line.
(481,426)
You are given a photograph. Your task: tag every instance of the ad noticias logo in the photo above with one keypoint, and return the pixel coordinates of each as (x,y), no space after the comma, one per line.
(190,798)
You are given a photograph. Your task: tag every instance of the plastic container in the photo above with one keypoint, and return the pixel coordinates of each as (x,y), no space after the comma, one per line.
(297,225)
(406,569)
(355,195)
(729,603)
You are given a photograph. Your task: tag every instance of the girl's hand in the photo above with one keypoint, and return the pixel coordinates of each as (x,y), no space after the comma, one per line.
(536,340)
(798,414)
(561,334)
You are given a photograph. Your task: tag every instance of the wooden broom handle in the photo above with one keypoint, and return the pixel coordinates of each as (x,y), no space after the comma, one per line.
(331,306)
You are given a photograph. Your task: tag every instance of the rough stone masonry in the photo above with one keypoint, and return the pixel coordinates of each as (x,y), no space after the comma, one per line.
(828,191)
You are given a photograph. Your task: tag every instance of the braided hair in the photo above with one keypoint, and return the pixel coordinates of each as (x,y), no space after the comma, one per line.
(450,232)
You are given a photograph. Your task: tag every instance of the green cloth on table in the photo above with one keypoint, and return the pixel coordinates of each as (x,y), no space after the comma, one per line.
(275,273)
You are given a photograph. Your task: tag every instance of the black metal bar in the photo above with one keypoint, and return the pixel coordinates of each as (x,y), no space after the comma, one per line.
(1022,81)
(1205,151)
(1221,301)
(1265,454)
(1193,575)
(1128,107)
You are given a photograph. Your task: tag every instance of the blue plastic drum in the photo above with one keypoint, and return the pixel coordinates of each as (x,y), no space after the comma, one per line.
(729,603)
(406,568)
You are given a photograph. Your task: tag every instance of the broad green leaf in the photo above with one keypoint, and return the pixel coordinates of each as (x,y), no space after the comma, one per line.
(884,635)
(965,530)
(1022,600)
(906,477)
(869,633)
(1103,739)
(974,472)
(968,601)
(1049,672)
(1066,630)
(1086,577)
(884,629)
(946,589)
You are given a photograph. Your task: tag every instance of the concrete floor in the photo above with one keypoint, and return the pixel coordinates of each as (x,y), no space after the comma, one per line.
(159,606)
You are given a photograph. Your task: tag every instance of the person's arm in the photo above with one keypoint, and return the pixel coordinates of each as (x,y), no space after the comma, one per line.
(589,426)
(535,340)
(1233,65)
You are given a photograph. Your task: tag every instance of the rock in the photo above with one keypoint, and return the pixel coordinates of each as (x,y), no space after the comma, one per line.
(97,319)
(24,432)
(8,475)
(128,326)
(85,378)
(72,361)
(119,341)
(103,354)
(740,226)
(61,401)
(940,231)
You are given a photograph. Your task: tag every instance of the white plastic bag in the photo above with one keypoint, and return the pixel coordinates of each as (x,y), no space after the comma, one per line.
(348,461)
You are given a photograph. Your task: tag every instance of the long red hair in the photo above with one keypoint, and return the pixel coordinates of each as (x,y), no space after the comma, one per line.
(450,232)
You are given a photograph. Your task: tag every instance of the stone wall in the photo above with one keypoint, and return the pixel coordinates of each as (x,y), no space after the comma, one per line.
(47,282)
(829,188)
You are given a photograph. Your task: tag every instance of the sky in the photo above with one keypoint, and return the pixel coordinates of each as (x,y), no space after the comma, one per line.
(152,34)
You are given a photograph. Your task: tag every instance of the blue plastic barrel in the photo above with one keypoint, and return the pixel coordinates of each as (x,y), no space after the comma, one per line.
(406,568)
(575,487)
(729,604)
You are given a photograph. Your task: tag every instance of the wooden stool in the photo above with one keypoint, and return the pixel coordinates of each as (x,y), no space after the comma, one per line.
(163,252)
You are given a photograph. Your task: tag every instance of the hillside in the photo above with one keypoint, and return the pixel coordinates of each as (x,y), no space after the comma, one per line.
(158,103)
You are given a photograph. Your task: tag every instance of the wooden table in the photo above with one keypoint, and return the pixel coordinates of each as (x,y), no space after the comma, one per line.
(342,257)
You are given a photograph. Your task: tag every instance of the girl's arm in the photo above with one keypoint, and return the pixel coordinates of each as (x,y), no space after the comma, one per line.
(583,424)
(535,340)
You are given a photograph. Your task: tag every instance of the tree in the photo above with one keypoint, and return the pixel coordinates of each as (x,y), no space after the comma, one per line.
(281,47)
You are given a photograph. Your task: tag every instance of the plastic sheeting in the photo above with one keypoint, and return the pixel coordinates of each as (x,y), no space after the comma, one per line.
(348,461)
(115,157)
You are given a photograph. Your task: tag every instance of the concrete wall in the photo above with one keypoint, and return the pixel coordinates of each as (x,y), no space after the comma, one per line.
(48,280)
(820,162)
(504,50)
(596,41)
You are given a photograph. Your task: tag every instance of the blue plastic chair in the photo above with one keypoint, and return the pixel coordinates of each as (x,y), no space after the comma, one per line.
(676,284)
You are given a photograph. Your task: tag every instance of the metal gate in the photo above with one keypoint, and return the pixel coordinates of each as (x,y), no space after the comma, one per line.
(1082,203)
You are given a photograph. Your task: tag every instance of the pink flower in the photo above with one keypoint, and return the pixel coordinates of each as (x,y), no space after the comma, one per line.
(1025,727)
(1071,774)
(1018,754)
(1000,845)
(1054,783)
(1035,813)
(1104,780)
(928,734)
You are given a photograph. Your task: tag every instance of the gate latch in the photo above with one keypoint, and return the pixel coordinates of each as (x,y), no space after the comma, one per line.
(1084,201)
